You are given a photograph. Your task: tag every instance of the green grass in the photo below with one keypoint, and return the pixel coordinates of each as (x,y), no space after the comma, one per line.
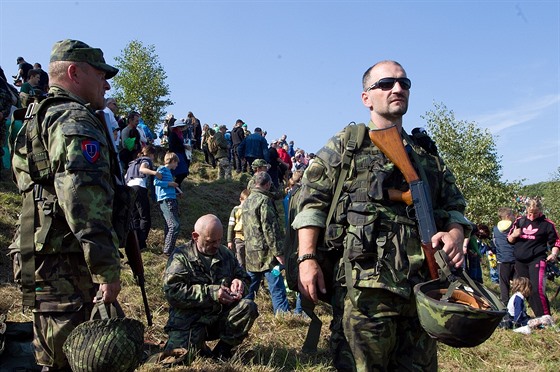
(274,343)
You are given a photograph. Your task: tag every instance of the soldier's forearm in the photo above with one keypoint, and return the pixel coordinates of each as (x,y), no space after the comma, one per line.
(308,237)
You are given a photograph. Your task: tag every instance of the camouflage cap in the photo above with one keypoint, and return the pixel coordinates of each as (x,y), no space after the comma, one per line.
(77,51)
(257,163)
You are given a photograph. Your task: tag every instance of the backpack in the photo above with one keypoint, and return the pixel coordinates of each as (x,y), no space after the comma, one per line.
(353,138)
(133,170)
(212,145)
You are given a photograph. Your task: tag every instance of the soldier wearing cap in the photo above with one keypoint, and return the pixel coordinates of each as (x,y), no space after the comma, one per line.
(74,250)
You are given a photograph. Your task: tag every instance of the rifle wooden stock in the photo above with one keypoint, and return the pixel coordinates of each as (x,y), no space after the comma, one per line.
(132,250)
(389,141)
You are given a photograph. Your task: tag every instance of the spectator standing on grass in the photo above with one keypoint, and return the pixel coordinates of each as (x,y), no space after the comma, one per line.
(235,237)
(237,136)
(139,180)
(254,147)
(504,251)
(110,112)
(532,235)
(263,243)
(224,165)
(196,131)
(204,285)
(166,196)
(130,139)
(177,145)
(208,132)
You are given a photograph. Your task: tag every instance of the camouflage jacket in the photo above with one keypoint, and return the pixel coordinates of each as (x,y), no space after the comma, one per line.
(222,145)
(263,237)
(83,189)
(192,290)
(374,232)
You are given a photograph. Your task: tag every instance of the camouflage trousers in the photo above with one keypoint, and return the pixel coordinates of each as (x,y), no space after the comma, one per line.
(224,169)
(231,326)
(51,329)
(384,333)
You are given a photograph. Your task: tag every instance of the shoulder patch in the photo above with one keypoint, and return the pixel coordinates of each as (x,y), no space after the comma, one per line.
(314,172)
(91,150)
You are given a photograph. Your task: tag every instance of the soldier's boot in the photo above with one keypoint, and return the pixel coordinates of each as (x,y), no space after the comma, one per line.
(222,351)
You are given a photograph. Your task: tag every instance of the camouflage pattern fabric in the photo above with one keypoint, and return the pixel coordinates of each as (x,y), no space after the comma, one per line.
(263,237)
(98,345)
(274,192)
(222,145)
(195,315)
(385,334)
(79,249)
(51,331)
(466,319)
(224,169)
(378,238)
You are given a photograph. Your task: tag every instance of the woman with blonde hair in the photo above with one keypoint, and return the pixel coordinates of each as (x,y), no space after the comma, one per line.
(532,235)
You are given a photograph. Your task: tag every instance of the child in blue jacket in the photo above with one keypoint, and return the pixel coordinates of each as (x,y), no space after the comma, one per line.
(166,196)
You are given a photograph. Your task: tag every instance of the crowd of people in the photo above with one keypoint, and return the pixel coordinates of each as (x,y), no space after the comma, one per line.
(72,252)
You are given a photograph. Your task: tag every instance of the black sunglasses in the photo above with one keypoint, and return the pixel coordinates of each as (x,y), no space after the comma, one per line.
(389,83)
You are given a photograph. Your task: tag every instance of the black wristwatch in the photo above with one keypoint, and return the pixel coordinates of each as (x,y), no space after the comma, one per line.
(309,256)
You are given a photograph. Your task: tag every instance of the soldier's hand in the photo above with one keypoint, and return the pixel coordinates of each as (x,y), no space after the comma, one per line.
(110,291)
(225,296)
(311,280)
(237,288)
(452,244)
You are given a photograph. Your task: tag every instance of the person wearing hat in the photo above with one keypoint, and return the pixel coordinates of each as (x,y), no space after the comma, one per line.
(23,69)
(74,251)
(177,144)
(224,165)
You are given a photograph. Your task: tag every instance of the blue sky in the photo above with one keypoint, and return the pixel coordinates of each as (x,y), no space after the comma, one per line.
(295,67)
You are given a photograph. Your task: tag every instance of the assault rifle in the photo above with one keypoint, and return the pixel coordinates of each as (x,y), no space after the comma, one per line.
(389,141)
(132,250)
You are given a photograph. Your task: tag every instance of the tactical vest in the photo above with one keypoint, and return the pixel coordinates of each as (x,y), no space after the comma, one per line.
(377,237)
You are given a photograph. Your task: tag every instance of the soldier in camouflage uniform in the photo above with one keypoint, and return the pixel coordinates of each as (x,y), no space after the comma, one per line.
(75,245)
(260,165)
(224,165)
(204,285)
(382,255)
(263,242)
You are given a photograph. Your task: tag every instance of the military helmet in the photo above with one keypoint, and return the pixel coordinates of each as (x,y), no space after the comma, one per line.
(457,311)
(114,344)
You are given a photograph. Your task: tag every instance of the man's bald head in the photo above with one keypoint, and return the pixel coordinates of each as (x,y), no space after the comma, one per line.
(208,232)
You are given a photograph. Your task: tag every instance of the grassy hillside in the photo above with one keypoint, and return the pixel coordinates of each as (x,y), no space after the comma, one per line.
(274,343)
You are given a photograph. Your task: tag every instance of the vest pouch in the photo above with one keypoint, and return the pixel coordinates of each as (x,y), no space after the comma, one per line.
(334,238)
(361,235)
(37,155)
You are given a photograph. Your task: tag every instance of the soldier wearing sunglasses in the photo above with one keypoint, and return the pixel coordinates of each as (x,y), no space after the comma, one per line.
(378,328)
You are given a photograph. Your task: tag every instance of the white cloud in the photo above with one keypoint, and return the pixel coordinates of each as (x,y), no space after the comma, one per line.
(502,120)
